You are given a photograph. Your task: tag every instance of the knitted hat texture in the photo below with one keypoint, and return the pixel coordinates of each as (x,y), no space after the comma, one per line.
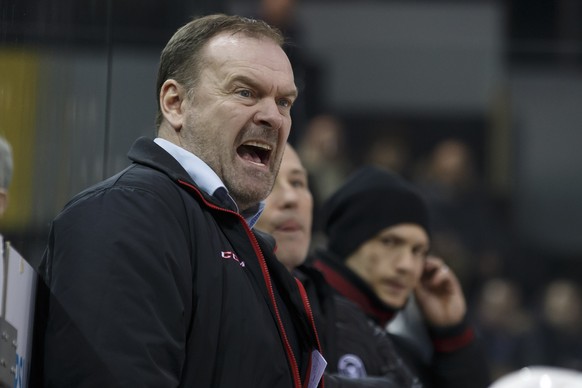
(370,200)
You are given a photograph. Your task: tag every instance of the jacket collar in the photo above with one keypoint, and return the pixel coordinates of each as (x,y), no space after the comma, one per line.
(147,152)
(351,286)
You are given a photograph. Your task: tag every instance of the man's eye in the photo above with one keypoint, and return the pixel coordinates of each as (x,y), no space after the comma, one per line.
(285,103)
(245,93)
(420,252)
(298,184)
(387,241)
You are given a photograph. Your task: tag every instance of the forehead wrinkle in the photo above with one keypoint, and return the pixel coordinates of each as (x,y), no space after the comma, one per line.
(224,50)
(234,48)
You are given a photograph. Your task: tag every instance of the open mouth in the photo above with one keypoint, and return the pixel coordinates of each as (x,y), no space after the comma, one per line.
(255,152)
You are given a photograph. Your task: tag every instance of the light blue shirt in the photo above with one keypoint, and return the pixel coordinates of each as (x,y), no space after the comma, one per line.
(205,177)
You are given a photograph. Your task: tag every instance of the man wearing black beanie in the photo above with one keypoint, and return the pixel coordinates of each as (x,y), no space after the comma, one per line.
(376,257)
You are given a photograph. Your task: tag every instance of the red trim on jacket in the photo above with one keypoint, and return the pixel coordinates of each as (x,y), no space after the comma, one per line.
(351,292)
(307,307)
(267,278)
(451,344)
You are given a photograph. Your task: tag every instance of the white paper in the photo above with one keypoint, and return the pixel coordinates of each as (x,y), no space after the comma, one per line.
(20,293)
(318,365)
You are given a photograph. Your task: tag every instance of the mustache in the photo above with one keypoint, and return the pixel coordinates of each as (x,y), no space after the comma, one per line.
(256,132)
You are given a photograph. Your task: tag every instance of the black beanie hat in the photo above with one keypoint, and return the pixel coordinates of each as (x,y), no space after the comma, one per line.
(371,200)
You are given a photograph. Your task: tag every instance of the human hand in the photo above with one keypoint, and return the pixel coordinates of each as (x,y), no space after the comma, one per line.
(439,294)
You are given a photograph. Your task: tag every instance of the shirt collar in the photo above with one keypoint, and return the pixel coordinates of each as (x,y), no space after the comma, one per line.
(205,177)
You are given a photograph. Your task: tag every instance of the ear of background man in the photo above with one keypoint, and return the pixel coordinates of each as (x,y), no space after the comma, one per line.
(3,201)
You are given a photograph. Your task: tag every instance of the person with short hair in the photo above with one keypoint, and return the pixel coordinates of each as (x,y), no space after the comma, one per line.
(155,276)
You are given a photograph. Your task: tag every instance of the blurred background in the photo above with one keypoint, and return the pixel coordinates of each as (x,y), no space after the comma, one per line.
(477,102)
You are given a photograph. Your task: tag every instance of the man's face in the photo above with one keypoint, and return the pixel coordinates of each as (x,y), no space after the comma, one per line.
(392,262)
(238,117)
(288,211)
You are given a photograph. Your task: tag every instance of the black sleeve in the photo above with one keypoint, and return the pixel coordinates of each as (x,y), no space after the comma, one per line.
(118,270)
(458,359)
(464,367)
(337,381)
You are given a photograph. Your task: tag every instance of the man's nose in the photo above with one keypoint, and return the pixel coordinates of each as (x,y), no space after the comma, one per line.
(289,196)
(268,114)
(405,260)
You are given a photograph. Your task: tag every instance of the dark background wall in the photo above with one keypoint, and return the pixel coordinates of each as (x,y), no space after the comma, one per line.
(77,87)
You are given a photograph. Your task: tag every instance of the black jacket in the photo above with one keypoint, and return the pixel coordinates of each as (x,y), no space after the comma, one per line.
(342,325)
(352,329)
(154,284)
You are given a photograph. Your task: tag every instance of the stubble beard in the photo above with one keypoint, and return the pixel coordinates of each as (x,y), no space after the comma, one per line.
(243,189)
(245,192)
(248,190)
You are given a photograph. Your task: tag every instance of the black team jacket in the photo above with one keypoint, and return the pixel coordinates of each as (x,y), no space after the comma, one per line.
(150,282)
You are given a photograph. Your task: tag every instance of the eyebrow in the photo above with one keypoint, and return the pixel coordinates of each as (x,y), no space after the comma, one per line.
(299,171)
(400,238)
(254,84)
(292,94)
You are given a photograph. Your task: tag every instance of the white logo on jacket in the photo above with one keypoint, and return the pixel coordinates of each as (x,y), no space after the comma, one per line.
(351,366)
(233,256)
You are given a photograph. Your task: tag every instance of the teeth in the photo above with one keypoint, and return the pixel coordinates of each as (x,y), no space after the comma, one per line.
(259,145)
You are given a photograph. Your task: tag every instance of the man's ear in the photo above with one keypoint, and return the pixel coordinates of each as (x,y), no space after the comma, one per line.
(172,96)
(3,201)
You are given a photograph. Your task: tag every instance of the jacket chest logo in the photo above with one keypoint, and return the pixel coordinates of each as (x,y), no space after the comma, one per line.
(351,366)
(232,256)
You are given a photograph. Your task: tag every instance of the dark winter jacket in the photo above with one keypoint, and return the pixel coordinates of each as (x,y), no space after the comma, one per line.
(341,324)
(154,284)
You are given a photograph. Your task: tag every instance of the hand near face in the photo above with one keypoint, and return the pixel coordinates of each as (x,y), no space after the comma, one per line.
(439,294)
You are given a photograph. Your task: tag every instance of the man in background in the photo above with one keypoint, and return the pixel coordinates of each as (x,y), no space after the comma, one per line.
(6,167)
(377,256)
(288,217)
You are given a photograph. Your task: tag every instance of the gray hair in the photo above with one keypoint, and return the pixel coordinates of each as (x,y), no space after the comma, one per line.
(6,163)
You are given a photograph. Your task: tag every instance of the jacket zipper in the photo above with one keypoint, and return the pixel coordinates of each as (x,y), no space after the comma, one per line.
(309,311)
(266,277)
